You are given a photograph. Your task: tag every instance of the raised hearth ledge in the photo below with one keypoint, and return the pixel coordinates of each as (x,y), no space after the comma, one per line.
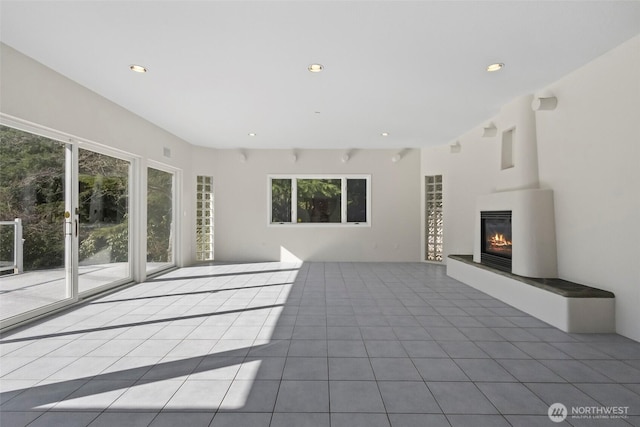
(558,286)
(568,306)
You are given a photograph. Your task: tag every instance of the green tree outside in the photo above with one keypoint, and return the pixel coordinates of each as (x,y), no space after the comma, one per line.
(32,178)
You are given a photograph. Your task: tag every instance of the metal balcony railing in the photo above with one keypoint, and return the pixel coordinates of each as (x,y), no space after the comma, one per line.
(18,245)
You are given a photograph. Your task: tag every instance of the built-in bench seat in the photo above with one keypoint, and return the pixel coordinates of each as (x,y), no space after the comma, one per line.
(566,305)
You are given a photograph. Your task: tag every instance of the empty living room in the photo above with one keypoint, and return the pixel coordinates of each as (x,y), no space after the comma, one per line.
(344,213)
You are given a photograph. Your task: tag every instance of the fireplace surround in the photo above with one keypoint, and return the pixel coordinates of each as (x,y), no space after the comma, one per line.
(531,285)
(533,235)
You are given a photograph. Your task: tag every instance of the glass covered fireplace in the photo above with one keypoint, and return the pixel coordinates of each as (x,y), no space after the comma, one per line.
(495,241)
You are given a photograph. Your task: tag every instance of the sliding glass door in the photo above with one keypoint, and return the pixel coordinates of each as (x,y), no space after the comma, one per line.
(103,209)
(64,221)
(37,225)
(71,219)
(160,219)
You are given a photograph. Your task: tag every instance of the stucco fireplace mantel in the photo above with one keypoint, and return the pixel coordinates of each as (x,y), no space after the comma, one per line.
(533,255)
(533,230)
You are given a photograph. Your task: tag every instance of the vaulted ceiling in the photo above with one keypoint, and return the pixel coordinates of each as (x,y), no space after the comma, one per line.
(221,70)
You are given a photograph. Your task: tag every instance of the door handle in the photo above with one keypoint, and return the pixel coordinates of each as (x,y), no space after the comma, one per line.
(68,231)
(76,221)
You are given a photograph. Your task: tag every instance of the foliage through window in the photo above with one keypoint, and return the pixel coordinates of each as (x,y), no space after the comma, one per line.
(103,194)
(32,181)
(281,200)
(320,199)
(160,230)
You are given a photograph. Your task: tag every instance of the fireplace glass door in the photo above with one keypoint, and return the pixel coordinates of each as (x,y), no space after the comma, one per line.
(496,239)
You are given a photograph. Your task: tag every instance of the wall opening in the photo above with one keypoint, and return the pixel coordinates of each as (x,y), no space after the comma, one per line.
(507,149)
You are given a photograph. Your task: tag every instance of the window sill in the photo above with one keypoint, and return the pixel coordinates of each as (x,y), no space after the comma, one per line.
(319,224)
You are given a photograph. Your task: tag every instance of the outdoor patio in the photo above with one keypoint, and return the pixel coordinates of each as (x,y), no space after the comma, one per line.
(20,293)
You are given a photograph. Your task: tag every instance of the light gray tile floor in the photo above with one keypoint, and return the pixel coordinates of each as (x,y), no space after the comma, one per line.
(312,344)
(39,288)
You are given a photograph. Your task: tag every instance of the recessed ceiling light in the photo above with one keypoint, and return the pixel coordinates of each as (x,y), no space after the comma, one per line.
(495,67)
(137,68)
(315,68)
(385,134)
(252,134)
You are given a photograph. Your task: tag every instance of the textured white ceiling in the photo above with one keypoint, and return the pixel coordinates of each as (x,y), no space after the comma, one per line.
(221,70)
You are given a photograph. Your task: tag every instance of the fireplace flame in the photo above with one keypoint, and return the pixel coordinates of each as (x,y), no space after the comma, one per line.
(499,240)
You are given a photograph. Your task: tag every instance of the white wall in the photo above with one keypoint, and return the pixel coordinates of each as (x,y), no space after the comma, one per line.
(35,93)
(588,153)
(465,175)
(476,169)
(241,205)
(518,117)
(32,92)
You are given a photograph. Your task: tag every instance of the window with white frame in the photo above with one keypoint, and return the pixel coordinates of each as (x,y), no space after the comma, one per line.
(204,218)
(320,199)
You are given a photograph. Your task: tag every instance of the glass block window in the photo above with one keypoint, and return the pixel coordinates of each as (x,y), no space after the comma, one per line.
(204,218)
(433,216)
